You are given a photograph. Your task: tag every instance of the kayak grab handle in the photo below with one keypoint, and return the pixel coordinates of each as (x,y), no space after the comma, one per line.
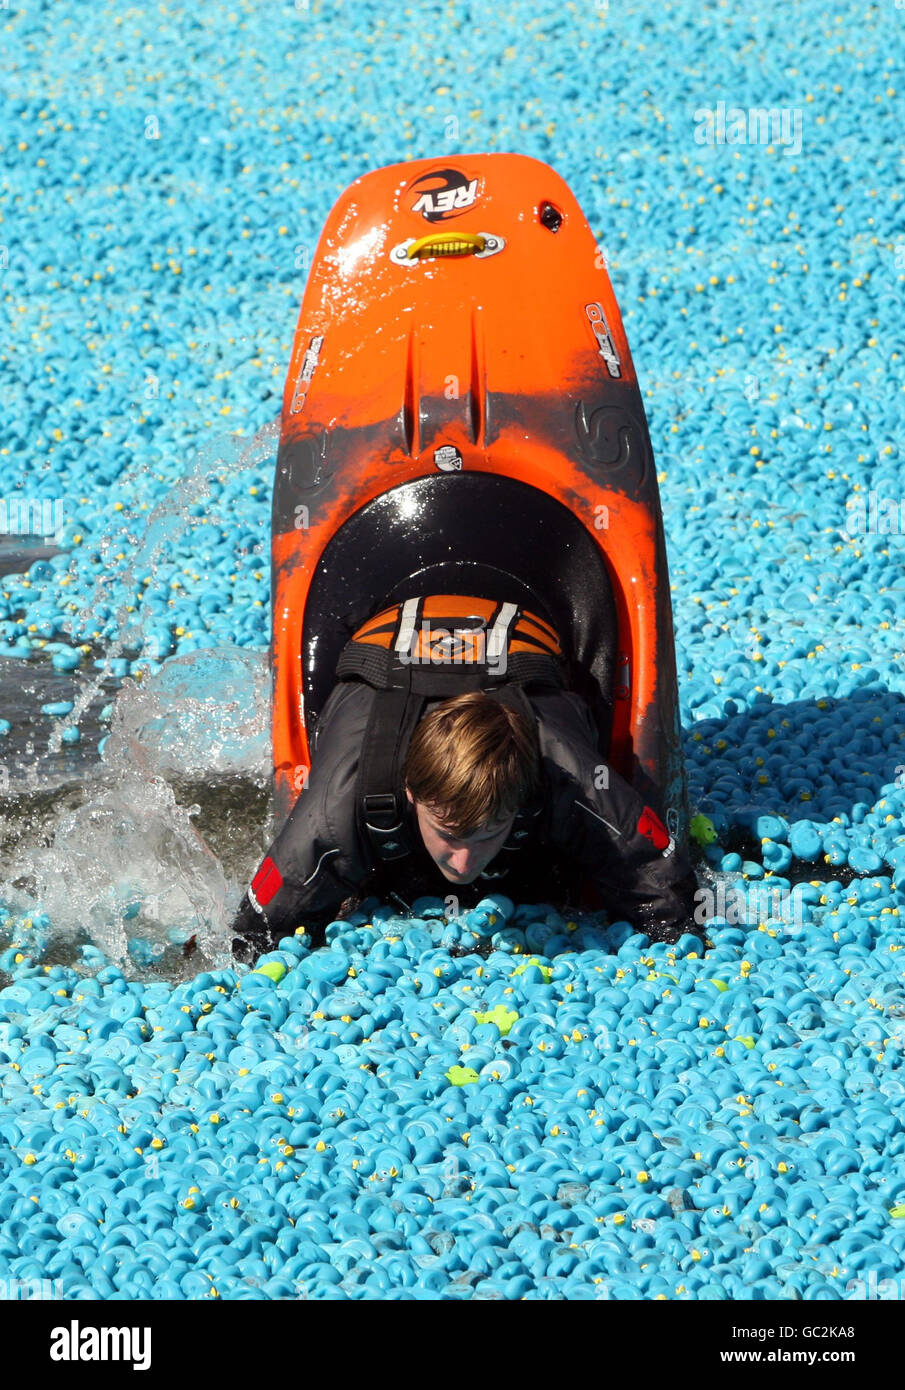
(447,244)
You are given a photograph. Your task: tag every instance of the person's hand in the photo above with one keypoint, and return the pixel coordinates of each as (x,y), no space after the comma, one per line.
(251,934)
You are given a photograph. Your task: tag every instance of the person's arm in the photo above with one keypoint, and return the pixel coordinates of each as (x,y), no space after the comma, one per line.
(604,826)
(317,860)
(643,874)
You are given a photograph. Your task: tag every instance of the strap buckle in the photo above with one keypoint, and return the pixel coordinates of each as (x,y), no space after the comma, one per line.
(384,825)
(381,812)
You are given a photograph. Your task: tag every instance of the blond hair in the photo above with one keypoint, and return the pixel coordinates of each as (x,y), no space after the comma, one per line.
(473,761)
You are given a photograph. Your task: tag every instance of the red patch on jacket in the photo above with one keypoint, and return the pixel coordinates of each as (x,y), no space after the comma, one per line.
(267,882)
(651,826)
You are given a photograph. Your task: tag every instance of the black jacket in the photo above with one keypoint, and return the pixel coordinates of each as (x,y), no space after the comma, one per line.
(592,826)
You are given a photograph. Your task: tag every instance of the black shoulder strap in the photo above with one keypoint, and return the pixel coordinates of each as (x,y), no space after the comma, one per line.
(515,697)
(379,794)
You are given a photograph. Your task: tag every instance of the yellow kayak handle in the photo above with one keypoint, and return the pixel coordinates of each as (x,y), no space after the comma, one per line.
(447,244)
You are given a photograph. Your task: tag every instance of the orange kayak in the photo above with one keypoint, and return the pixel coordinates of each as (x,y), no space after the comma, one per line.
(461,416)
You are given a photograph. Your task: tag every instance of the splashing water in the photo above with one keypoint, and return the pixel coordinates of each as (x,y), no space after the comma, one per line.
(126,867)
(129,867)
(109,856)
(152,538)
(205,712)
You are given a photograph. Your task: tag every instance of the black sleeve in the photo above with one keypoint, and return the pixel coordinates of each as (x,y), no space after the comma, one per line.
(317,860)
(599,821)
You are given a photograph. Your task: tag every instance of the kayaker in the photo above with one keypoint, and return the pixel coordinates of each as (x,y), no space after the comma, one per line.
(493,788)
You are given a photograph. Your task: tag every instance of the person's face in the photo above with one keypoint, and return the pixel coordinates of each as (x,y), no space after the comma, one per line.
(458,860)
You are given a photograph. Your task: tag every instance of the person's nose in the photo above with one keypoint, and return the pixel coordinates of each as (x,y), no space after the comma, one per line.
(464,861)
